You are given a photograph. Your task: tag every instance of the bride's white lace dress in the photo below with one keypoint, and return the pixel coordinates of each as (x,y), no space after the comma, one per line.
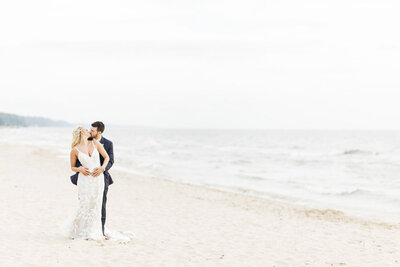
(85,223)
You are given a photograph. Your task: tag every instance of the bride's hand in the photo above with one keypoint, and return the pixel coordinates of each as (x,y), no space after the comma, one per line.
(97,171)
(85,171)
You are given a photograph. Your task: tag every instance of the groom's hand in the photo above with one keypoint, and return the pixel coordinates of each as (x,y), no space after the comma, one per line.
(97,171)
(84,170)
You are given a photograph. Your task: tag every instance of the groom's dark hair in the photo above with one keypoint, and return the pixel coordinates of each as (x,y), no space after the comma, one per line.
(99,125)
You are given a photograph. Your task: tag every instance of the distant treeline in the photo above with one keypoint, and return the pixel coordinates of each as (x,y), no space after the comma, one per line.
(7,119)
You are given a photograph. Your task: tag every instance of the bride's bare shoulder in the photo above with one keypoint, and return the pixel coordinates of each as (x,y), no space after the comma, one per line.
(74,151)
(96,142)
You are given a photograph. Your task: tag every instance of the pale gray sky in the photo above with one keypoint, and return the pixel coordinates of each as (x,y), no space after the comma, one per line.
(206,64)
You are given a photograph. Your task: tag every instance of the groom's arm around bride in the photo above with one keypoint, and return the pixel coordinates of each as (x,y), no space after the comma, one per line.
(108,146)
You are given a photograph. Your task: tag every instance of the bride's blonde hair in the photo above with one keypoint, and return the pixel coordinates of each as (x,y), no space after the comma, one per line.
(76,136)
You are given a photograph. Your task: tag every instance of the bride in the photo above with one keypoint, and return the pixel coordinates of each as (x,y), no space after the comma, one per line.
(86,222)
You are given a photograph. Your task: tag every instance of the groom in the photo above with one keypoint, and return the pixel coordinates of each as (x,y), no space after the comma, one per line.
(96,133)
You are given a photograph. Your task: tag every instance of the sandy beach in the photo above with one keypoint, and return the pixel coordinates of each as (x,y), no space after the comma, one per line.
(174,224)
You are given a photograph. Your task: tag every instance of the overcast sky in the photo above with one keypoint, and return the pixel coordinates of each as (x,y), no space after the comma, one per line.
(203,64)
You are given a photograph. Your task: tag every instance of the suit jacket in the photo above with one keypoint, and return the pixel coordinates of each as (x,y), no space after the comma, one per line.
(108,147)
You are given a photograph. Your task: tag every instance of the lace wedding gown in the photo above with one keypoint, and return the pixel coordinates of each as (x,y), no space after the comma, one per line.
(86,223)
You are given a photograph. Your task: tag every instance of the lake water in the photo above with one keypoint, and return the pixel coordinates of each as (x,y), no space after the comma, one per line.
(357,172)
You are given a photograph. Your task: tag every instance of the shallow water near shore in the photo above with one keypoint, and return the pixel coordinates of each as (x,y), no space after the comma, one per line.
(357,172)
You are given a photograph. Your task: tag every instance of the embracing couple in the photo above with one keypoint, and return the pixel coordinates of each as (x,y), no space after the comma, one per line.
(91,157)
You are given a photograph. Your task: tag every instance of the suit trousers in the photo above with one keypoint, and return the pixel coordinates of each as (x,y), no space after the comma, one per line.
(103,207)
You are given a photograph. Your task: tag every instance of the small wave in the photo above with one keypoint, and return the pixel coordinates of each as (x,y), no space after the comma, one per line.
(351,192)
(359,151)
(240,162)
(337,192)
(251,177)
(246,176)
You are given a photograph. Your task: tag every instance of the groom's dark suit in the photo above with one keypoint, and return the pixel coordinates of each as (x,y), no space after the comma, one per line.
(108,147)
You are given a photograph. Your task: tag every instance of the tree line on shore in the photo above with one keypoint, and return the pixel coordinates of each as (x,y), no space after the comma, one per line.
(7,119)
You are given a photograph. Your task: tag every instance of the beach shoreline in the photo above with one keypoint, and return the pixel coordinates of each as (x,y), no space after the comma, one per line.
(175,223)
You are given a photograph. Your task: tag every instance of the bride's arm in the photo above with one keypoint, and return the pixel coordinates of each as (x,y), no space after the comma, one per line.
(103,152)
